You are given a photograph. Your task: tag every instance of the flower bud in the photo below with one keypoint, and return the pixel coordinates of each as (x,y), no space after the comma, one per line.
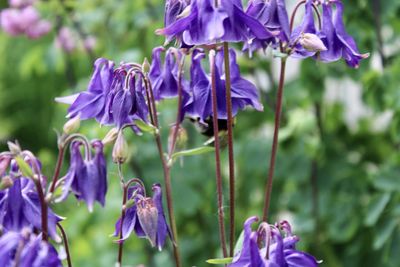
(110,136)
(6,182)
(72,125)
(146,66)
(148,218)
(312,42)
(121,150)
(14,147)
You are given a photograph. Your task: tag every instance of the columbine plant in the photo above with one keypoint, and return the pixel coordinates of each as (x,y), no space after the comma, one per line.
(126,97)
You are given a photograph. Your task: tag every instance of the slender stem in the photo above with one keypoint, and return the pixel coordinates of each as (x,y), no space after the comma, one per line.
(315,197)
(292,17)
(217,156)
(65,240)
(230,150)
(278,111)
(166,171)
(125,190)
(57,169)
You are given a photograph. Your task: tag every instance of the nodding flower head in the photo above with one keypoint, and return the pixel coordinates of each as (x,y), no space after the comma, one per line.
(87,176)
(244,93)
(20,205)
(271,245)
(33,252)
(115,96)
(145,216)
(204,22)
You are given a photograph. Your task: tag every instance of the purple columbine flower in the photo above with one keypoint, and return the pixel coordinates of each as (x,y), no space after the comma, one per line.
(146,217)
(277,250)
(244,93)
(87,176)
(332,39)
(33,251)
(273,15)
(206,22)
(114,96)
(20,207)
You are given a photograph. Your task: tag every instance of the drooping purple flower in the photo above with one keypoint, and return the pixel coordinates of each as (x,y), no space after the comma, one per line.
(205,22)
(339,43)
(244,93)
(281,248)
(272,15)
(146,216)
(114,96)
(33,251)
(87,176)
(20,208)
(93,103)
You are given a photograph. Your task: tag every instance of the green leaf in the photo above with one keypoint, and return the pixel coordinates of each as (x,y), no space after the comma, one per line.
(376,207)
(219,261)
(24,167)
(384,233)
(192,152)
(148,128)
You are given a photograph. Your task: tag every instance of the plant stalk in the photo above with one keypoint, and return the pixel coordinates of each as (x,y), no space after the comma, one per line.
(65,241)
(217,156)
(230,150)
(278,114)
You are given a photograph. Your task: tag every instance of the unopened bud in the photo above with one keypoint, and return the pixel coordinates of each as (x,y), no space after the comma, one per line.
(121,150)
(110,136)
(148,218)
(14,147)
(146,66)
(312,42)
(72,125)
(6,182)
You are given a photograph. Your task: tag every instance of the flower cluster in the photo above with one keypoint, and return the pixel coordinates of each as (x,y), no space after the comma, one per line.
(26,249)
(278,247)
(68,40)
(115,96)
(145,216)
(22,18)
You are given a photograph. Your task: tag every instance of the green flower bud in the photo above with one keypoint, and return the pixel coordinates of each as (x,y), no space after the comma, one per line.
(72,125)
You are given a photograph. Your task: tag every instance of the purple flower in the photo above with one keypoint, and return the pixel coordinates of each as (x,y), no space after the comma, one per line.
(20,208)
(332,40)
(146,217)
(21,3)
(243,92)
(114,96)
(33,251)
(281,248)
(86,177)
(204,22)
(339,43)
(24,21)
(273,15)
(66,40)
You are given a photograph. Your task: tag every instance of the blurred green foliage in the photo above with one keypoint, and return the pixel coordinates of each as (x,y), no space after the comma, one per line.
(337,182)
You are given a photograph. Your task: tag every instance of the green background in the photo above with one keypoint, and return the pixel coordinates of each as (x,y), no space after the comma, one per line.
(337,176)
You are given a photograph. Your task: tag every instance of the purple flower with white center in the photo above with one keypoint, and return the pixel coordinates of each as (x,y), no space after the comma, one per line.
(273,15)
(281,251)
(33,251)
(87,176)
(206,22)
(20,207)
(146,217)
(244,93)
(339,43)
